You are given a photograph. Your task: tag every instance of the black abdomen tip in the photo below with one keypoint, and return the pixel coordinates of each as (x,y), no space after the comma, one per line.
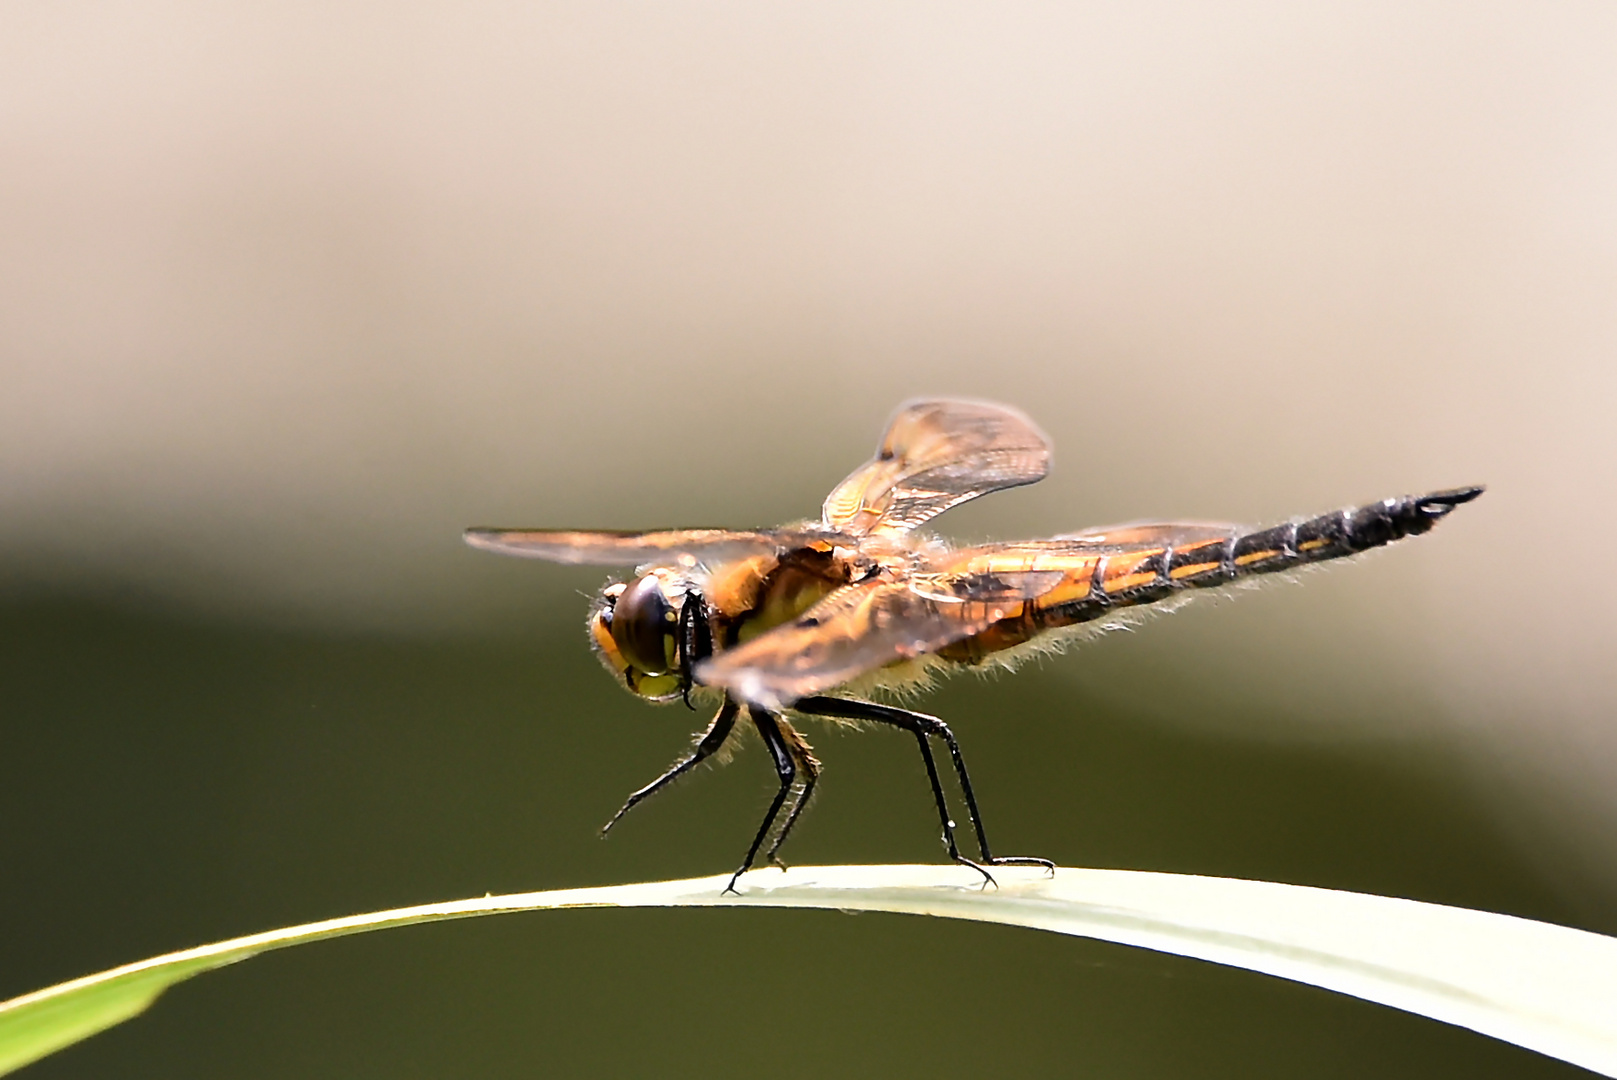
(1383,522)
(1439,503)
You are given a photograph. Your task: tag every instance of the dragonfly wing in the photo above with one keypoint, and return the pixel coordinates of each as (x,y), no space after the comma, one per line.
(871,624)
(670,547)
(937,454)
(855,630)
(1137,534)
(1110,561)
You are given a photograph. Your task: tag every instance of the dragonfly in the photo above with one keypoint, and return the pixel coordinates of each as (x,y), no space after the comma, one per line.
(815,619)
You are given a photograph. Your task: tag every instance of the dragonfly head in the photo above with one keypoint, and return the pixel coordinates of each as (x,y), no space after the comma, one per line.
(635,626)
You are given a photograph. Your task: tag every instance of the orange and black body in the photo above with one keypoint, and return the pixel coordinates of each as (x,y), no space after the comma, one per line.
(1094,586)
(798,619)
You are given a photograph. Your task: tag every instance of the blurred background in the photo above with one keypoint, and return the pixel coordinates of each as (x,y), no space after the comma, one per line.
(290,295)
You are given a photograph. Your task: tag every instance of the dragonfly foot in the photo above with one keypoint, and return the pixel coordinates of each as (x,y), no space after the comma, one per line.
(1024,860)
(988,879)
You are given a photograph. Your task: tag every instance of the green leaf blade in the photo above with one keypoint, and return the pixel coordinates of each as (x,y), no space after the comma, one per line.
(1548,988)
(32,1029)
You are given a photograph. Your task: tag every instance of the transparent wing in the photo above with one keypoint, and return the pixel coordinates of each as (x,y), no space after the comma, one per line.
(868,625)
(934,455)
(669,546)
(1136,534)
(857,629)
(1069,567)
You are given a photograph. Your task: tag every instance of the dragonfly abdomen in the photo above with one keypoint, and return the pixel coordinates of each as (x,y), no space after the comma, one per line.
(1332,536)
(1147,575)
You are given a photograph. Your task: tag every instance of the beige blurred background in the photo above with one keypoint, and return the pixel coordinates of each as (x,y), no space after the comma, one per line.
(291,294)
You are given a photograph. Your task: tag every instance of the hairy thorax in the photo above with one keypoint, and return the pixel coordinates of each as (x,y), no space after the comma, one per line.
(757,595)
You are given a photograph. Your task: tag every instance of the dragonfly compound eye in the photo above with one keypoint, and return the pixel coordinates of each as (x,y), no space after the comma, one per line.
(644,624)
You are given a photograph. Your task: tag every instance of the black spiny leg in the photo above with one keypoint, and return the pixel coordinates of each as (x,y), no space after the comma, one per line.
(922,726)
(785,768)
(711,740)
(804,756)
(695,641)
(915,724)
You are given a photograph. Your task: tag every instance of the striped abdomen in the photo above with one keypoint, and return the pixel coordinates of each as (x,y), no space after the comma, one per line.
(1143,577)
(1157,561)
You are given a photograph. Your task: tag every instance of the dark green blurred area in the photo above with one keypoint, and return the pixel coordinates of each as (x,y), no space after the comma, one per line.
(169,782)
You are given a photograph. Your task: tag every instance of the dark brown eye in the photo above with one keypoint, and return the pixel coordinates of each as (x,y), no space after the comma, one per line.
(642,622)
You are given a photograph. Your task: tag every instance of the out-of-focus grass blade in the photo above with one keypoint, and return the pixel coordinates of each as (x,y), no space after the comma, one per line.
(1548,988)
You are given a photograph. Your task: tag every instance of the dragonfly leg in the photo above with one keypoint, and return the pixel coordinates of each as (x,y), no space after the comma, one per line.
(943,805)
(923,727)
(713,738)
(785,768)
(942,731)
(695,641)
(810,766)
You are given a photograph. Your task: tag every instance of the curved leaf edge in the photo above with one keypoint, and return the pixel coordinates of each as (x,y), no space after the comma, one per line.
(1549,988)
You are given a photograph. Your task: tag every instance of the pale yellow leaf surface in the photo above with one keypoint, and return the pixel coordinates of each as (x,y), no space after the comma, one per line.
(1548,988)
